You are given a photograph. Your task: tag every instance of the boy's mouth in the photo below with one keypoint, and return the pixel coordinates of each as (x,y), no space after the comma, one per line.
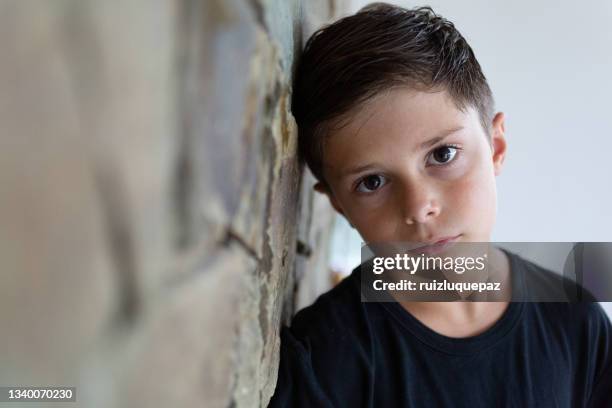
(438,245)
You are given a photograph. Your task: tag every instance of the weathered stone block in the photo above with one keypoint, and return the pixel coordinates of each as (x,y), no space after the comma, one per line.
(184,351)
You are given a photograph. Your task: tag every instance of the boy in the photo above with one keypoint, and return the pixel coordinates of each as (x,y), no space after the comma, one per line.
(396,122)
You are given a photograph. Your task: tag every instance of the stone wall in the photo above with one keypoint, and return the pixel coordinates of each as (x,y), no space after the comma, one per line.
(155,227)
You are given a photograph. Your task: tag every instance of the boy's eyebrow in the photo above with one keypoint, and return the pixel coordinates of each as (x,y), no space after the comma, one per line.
(441,136)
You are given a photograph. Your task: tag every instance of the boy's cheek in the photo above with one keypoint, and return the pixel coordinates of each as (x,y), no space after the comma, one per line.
(379,225)
(478,202)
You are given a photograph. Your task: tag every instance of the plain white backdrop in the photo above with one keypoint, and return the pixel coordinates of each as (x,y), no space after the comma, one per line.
(548,64)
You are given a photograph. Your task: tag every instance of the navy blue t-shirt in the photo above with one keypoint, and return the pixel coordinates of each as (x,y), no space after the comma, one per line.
(341,352)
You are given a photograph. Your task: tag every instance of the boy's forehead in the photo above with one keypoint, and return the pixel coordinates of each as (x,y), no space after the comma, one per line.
(399,117)
(416,113)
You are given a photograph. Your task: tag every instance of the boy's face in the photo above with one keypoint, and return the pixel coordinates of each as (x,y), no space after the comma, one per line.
(410,166)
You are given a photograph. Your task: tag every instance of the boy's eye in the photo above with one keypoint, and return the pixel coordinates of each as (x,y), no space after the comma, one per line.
(444,154)
(371,183)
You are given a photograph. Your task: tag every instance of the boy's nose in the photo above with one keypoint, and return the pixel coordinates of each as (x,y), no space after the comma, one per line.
(419,206)
(422,217)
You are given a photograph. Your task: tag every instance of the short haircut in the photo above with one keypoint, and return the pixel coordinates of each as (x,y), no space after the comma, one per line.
(382,46)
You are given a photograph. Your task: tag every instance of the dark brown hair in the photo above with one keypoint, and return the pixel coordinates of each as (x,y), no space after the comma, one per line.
(380,47)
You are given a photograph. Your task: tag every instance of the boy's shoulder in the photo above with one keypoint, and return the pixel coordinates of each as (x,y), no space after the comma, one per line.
(333,313)
(326,354)
(563,301)
(540,284)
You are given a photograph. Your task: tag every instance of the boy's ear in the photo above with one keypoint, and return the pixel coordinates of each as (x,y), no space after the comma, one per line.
(321,188)
(498,141)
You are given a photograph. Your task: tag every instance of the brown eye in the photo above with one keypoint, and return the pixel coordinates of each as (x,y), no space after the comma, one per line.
(444,154)
(370,183)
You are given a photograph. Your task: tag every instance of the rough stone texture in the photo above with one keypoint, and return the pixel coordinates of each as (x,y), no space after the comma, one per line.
(156,226)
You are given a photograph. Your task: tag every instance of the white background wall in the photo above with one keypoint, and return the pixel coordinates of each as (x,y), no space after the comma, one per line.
(548,64)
